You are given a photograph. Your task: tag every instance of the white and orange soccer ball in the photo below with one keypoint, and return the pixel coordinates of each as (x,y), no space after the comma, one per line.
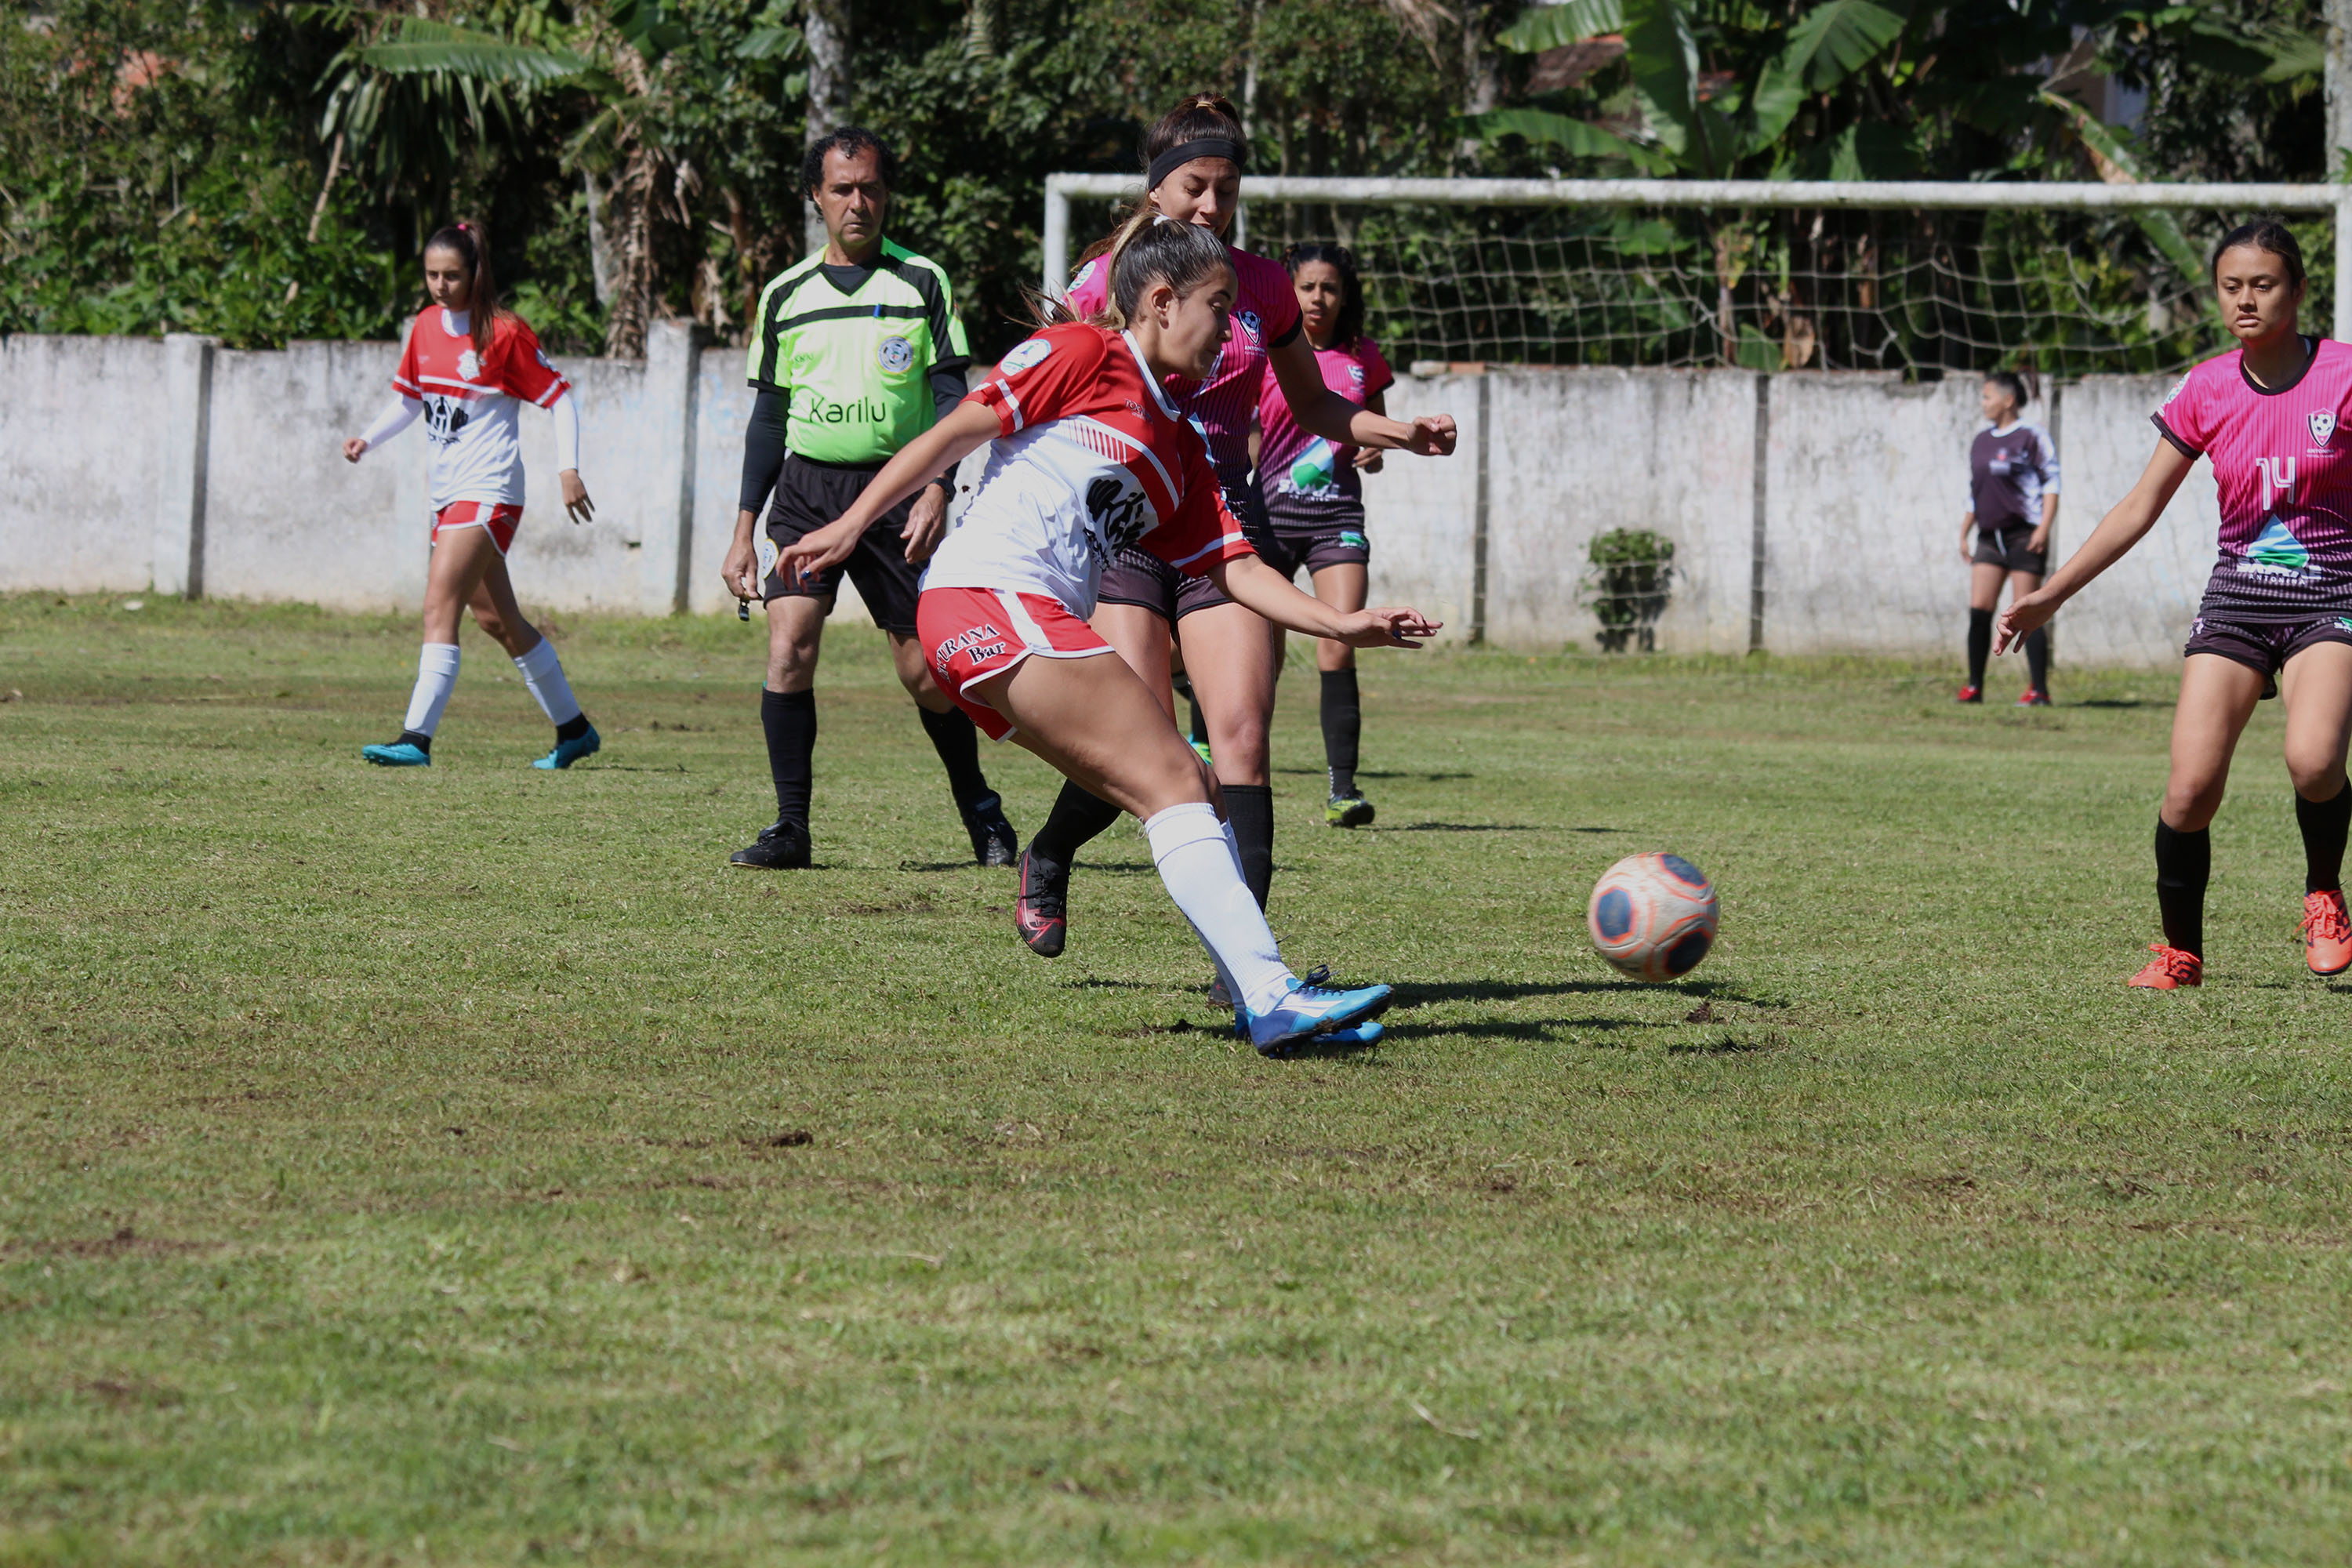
(1653,916)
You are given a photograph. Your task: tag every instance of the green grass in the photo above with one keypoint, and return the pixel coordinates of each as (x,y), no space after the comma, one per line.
(465,1166)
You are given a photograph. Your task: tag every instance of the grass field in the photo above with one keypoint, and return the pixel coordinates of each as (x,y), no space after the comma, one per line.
(465,1166)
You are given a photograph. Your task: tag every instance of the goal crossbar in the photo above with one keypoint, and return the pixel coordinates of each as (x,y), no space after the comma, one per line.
(1852,194)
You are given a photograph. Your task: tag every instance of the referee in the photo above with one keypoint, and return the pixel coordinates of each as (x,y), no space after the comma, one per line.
(858,351)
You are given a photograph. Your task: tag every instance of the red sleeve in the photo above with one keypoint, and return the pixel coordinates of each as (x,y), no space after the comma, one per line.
(404,379)
(1044,378)
(524,370)
(1378,376)
(1202,533)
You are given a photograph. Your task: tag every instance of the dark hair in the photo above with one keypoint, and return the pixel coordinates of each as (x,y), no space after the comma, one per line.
(1350,325)
(2262,234)
(849,142)
(1204,117)
(465,241)
(2016,384)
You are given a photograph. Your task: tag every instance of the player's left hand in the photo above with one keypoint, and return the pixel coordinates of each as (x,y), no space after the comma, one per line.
(927,523)
(1391,626)
(820,550)
(2040,540)
(1368,458)
(575,497)
(1432,436)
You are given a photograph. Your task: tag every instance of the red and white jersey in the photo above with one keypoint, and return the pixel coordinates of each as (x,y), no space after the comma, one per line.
(1266,316)
(2285,485)
(1090,458)
(470,402)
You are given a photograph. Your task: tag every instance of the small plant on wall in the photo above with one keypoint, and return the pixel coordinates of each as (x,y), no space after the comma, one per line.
(1625,586)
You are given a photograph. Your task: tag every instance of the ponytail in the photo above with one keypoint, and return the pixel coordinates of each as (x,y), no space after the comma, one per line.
(465,241)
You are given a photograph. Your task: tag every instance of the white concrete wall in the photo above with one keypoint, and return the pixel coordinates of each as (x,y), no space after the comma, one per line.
(80,461)
(1863,484)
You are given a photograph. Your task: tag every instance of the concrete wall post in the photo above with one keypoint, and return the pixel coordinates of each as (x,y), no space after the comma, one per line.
(178,562)
(672,381)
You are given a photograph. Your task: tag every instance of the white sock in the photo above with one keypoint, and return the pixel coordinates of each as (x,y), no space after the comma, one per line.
(1196,860)
(437,677)
(543,673)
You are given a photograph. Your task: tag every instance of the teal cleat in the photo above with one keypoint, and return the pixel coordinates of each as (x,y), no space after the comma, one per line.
(1351,1038)
(399,754)
(587,743)
(1311,1014)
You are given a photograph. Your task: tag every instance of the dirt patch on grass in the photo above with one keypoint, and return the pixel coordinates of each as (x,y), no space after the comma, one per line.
(125,1242)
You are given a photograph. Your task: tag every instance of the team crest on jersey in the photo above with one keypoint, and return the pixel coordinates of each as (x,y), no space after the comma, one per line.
(2322,424)
(469,365)
(1024,355)
(1356,374)
(1248,319)
(896,356)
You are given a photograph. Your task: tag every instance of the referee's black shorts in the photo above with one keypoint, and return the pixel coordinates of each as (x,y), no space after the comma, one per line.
(811,494)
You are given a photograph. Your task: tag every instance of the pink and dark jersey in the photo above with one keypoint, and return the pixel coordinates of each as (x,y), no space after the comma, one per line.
(1265,316)
(1302,471)
(2279,457)
(2009,471)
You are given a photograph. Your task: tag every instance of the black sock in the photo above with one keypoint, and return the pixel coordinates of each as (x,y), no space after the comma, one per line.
(1250,808)
(2184,864)
(2037,659)
(790,719)
(422,742)
(571,728)
(2324,823)
(956,740)
(1979,644)
(1343,725)
(1079,817)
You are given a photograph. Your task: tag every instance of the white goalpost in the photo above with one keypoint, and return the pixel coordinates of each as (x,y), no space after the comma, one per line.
(1830,274)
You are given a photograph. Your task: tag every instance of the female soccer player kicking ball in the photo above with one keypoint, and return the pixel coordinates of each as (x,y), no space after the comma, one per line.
(1092,457)
(468,367)
(1314,500)
(2277,613)
(1231,655)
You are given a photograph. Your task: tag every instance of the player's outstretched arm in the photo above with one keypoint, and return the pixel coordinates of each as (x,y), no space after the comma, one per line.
(2124,526)
(1317,409)
(971,426)
(1250,582)
(396,415)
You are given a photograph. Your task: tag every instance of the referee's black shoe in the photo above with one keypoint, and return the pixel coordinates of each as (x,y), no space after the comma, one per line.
(993,841)
(781,847)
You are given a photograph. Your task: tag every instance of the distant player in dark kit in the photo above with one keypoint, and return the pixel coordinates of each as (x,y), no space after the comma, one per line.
(1314,498)
(2005,533)
(856,350)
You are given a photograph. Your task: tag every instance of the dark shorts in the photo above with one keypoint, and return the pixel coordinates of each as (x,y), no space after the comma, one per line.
(810,495)
(2264,647)
(1316,537)
(1137,577)
(2005,547)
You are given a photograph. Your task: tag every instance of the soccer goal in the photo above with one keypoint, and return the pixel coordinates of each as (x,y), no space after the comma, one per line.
(1922,277)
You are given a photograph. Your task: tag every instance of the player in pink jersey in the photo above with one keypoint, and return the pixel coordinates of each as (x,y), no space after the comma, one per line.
(2277,614)
(1091,456)
(1195,156)
(468,368)
(1314,500)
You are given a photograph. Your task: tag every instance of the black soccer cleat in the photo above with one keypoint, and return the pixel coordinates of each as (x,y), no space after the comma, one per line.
(781,847)
(993,841)
(1041,913)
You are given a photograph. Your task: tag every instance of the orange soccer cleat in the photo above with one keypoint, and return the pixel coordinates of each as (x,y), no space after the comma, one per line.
(2169,970)
(2327,932)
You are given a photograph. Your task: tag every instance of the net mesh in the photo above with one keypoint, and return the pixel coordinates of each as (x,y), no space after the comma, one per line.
(2067,292)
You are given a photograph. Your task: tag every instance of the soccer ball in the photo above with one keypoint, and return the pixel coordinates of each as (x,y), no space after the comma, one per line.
(1653,916)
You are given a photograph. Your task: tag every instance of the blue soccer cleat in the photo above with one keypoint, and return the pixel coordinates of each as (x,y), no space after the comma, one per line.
(399,754)
(1311,1013)
(587,743)
(1353,1036)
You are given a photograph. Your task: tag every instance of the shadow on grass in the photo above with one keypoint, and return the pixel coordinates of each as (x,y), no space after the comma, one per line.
(1369,774)
(2119,702)
(1411,995)
(1452,827)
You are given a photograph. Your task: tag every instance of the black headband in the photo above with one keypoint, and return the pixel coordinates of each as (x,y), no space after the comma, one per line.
(1176,157)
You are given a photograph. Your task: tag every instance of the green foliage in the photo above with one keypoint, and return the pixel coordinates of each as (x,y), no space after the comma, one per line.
(1630,572)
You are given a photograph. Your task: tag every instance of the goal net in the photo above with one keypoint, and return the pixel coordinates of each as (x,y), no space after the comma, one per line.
(2068,279)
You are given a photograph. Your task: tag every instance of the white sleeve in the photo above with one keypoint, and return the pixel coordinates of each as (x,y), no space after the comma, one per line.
(2049,461)
(566,409)
(397,416)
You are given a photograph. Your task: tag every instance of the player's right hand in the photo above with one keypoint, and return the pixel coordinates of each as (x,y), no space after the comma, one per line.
(354,447)
(815,551)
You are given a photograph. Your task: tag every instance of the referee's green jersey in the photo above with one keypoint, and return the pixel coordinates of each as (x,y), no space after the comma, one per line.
(853,354)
